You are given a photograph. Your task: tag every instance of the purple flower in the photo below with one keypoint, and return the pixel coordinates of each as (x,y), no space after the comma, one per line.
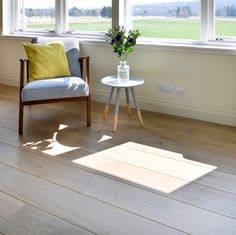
(118,37)
(112,42)
(121,42)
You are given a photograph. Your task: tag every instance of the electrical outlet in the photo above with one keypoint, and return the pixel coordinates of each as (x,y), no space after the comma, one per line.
(180,90)
(166,88)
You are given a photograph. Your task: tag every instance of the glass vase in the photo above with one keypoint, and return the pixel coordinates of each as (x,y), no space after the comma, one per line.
(123,71)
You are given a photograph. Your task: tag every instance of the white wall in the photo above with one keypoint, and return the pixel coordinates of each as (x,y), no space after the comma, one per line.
(209,78)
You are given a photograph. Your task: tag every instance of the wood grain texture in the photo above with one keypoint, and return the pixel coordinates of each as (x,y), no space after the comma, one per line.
(76,208)
(21,218)
(173,176)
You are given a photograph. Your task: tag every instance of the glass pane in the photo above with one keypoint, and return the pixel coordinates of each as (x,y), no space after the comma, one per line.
(89,15)
(168,19)
(38,15)
(225,18)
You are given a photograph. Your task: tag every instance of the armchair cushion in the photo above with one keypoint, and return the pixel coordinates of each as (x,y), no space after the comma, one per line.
(46,60)
(56,88)
(72,50)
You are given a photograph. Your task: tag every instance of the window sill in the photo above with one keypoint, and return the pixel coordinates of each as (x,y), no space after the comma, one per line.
(188,47)
(211,48)
(208,48)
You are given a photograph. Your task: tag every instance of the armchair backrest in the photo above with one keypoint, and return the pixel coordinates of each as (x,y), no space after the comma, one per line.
(72,51)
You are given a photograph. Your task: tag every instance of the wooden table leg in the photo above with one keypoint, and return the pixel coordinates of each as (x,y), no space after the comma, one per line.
(116,108)
(136,106)
(108,103)
(127,100)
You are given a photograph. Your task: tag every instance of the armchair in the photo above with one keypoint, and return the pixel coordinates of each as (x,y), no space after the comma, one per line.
(76,87)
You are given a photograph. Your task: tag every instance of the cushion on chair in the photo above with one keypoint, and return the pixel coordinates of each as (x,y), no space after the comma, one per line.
(46,60)
(63,87)
(72,51)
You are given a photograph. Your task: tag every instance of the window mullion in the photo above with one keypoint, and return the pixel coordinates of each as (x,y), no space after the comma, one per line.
(58,16)
(15,11)
(211,20)
(204,21)
(118,8)
(127,15)
(64,16)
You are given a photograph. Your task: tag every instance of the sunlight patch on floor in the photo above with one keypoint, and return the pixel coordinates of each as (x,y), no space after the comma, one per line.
(55,148)
(50,146)
(155,168)
(104,138)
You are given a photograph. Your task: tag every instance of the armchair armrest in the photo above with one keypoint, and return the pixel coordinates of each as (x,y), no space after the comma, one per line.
(24,63)
(85,70)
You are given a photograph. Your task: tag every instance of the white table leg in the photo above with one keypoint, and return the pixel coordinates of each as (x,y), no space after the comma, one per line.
(136,106)
(127,100)
(108,103)
(116,108)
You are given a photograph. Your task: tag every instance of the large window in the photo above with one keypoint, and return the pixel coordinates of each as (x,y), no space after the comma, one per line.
(37,15)
(89,15)
(183,20)
(166,18)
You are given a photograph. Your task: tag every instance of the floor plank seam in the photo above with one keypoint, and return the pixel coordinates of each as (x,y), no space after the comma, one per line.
(169,158)
(4,127)
(86,195)
(47,212)
(91,153)
(109,176)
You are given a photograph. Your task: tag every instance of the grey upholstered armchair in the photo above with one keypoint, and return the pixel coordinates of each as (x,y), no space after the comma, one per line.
(76,86)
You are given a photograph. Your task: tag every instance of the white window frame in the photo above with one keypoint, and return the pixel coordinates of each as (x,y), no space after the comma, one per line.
(120,16)
(16,17)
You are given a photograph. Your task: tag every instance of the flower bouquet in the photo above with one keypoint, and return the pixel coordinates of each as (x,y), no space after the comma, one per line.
(122,44)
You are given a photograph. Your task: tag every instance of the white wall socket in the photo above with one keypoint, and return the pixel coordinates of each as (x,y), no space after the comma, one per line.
(169,88)
(179,90)
(166,88)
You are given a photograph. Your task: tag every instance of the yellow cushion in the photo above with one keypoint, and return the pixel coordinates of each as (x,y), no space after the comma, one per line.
(46,60)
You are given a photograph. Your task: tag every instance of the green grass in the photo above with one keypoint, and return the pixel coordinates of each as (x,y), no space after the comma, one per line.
(179,29)
(156,28)
(226,28)
(98,27)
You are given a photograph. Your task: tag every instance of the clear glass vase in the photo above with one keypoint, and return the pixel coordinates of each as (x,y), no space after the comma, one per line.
(123,71)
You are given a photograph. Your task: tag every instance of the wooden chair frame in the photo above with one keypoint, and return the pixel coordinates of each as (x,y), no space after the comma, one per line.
(85,74)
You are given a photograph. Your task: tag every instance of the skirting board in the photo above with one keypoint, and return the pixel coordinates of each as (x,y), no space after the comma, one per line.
(9,80)
(155,105)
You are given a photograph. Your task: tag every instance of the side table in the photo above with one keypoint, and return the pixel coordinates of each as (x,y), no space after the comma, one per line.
(130,84)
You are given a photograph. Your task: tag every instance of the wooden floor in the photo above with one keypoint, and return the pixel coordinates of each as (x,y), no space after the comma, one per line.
(173,176)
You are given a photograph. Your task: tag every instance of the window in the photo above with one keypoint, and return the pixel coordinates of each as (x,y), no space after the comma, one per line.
(167,19)
(89,15)
(225,18)
(37,15)
(183,20)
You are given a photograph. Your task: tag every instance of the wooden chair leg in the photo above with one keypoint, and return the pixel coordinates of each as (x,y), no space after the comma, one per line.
(88,111)
(21,116)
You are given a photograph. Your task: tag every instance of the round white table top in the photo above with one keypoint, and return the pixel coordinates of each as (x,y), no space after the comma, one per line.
(112,81)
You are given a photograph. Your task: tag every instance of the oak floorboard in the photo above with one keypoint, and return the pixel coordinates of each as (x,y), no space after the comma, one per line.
(205,205)
(74,207)
(216,179)
(20,218)
(189,197)
(172,133)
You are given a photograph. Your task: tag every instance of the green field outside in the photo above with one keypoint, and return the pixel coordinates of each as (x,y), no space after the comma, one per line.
(185,29)
(156,28)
